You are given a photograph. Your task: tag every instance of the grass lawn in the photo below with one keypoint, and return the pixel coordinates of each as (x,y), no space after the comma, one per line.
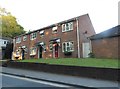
(89,62)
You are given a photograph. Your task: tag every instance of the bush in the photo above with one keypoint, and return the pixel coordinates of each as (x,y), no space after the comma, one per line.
(91,55)
(67,53)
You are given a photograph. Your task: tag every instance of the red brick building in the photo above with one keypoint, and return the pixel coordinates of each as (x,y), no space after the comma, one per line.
(65,39)
(105,44)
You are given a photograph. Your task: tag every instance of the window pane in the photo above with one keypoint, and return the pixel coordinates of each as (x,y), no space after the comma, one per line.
(18,40)
(24,38)
(71,25)
(63,27)
(33,36)
(42,33)
(68,48)
(67,44)
(67,27)
(64,47)
(4,42)
(51,47)
(71,46)
(33,51)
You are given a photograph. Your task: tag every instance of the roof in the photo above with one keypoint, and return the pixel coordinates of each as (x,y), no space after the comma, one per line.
(62,22)
(6,38)
(113,32)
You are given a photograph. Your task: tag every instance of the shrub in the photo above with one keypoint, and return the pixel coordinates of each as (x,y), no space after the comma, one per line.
(91,55)
(67,53)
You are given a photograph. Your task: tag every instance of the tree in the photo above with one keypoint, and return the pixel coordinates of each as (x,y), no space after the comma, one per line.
(10,27)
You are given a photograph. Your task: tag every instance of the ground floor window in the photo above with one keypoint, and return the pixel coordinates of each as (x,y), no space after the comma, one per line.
(68,46)
(17,52)
(33,51)
(51,46)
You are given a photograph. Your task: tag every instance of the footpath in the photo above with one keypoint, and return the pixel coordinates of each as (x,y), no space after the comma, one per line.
(63,79)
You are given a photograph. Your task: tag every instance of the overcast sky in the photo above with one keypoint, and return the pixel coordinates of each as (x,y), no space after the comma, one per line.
(35,14)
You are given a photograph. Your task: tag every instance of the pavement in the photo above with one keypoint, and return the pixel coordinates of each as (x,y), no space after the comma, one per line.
(63,79)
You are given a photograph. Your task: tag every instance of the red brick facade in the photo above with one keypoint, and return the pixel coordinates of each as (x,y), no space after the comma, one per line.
(105,48)
(81,24)
(106,43)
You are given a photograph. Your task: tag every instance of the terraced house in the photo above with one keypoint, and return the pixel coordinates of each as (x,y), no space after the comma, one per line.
(65,39)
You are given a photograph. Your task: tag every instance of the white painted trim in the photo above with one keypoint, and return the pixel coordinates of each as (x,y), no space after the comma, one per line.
(31,36)
(78,39)
(66,46)
(69,27)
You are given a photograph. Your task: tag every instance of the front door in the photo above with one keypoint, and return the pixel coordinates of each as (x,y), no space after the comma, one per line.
(40,51)
(23,53)
(86,49)
(56,51)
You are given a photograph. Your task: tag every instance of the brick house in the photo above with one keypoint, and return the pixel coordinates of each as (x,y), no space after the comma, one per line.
(65,39)
(3,44)
(105,44)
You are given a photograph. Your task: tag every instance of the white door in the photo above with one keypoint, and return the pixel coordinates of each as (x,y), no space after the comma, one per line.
(86,49)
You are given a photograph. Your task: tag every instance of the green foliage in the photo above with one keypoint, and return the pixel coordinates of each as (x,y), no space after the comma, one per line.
(67,53)
(10,27)
(91,55)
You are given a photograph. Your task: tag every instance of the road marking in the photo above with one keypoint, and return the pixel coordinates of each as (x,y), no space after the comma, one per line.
(37,81)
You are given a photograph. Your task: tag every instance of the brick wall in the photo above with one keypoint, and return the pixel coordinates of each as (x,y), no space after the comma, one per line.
(85,30)
(84,25)
(106,47)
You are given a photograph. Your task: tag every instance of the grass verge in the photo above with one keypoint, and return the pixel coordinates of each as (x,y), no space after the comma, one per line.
(88,62)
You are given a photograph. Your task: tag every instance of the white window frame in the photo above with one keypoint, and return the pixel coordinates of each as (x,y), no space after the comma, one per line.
(66,46)
(18,40)
(70,26)
(63,27)
(25,38)
(42,33)
(51,47)
(33,51)
(32,36)
(55,29)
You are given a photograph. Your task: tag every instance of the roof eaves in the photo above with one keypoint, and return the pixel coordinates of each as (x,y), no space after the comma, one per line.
(47,27)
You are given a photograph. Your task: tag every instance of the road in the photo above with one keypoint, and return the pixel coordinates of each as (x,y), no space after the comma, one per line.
(56,80)
(14,82)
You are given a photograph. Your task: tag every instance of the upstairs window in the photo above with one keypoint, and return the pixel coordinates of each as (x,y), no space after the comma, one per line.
(63,28)
(24,38)
(67,27)
(42,33)
(68,47)
(18,40)
(54,29)
(33,36)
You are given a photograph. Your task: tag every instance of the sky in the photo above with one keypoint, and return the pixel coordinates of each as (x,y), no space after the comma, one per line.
(36,14)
